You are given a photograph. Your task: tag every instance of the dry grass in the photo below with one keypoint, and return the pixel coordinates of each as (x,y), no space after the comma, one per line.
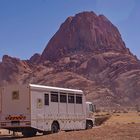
(100,119)
(124,118)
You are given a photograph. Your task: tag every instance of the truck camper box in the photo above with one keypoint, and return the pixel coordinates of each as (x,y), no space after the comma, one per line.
(36,108)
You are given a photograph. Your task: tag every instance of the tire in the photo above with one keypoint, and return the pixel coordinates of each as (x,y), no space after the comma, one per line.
(55,128)
(89,125)
(29,133)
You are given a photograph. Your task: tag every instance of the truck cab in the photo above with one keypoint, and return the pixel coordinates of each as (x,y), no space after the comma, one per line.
(90,109)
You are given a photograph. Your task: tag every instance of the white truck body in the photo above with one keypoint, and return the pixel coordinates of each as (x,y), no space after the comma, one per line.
(38,107)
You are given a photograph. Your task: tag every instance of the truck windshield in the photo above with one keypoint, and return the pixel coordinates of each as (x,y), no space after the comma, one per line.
(91,108)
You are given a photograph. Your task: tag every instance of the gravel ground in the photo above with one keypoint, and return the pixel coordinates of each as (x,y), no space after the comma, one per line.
(104,132)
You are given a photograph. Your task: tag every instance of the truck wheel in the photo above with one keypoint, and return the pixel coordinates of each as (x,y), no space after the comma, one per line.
(55,127)
(89,124)
(29,133)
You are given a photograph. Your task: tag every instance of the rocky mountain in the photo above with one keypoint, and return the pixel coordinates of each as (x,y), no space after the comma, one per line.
(88,53)
(85,32)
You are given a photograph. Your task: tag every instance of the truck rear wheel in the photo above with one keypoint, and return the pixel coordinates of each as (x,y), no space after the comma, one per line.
(29,133)
(55,127)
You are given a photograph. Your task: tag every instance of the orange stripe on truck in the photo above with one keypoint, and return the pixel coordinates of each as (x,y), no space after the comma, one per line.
(21,117)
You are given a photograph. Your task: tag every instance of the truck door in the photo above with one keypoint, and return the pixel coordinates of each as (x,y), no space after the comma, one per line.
(47,110)
(40,112)
(37,111)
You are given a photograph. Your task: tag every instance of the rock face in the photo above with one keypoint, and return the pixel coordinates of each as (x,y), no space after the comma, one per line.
(88,53)
(84,32)
(13,70)
(35,58)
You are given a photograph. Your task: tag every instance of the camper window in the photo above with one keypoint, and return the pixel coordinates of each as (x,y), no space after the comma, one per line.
(78,99)
(54,96)
(46,99)
(63,98)
(70,98)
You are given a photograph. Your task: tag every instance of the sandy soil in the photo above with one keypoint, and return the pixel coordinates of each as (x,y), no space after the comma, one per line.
(118,127)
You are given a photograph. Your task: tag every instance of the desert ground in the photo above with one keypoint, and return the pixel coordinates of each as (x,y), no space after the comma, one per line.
(120,126)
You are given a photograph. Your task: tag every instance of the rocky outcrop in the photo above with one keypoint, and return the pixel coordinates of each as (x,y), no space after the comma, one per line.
(88,53)
(13,70)
(35,58)
(84,32)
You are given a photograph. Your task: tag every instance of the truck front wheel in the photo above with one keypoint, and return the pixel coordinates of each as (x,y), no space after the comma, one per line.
(89,124)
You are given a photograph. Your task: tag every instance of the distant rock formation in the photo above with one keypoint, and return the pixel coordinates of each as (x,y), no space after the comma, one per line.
(84,32)
(35,58)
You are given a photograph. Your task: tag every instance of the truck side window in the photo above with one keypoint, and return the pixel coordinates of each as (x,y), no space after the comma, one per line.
(63,98)
(91,108)
(78,99)
(54,96)
(46,99)
(70,98)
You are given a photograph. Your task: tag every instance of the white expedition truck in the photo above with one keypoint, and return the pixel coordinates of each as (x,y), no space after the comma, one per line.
(36,108)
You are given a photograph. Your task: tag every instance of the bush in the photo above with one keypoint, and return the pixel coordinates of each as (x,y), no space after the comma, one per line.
(101,120)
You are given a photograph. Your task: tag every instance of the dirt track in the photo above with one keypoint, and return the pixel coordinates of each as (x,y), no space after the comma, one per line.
(104,132)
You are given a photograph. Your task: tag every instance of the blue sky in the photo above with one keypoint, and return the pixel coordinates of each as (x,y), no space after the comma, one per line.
(26,26)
